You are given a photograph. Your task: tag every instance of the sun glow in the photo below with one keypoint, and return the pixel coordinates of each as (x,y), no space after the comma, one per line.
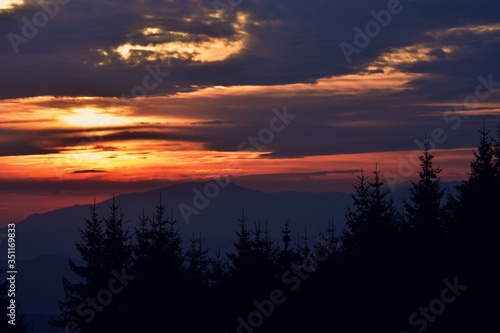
(89,117)
(8,4)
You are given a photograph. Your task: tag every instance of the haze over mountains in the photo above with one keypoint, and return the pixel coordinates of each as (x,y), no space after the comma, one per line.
(45,241)
(54,233)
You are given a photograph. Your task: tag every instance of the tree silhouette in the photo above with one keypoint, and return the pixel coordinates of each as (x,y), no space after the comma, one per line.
(497,158)
(198,263)
(357,217)
(424,211)
(158,266)
(373,221)
(116,239)
(287,256)
(387,265)
(480,192)
(91,274)
(218,270)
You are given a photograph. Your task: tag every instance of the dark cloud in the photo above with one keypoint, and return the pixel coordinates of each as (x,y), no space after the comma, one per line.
(90,187)
(18,148)
(89,171)
(291,41)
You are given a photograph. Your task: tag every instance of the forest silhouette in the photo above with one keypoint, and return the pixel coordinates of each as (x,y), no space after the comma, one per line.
(429,265)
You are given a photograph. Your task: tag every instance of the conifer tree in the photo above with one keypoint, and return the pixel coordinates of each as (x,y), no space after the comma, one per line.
(264,252)
(116,239)
(104,249)
(240,261)
(483,167)
(424,210)
(357,218)
(303,245)
(166,242)
(329,241)
(497,158)
(253,267)
(287,255)
(218,270)
(381,211)
(373,222)
(142,246)
(159,267)
(242,283)
(478,228)
(478,195)
(327,246)
(198,263)
(91,273)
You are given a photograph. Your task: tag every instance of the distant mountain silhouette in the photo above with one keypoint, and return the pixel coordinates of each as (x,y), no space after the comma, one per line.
(44,242)
(54,232)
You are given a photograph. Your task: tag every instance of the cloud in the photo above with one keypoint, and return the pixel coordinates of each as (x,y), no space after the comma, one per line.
(96,48)
(229,71)
(18,148)
(89,171)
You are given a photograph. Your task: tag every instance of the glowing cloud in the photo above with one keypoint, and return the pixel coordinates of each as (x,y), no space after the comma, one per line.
(442,46)
(353,84)
(88,117)
(469,29)
(183,47)
(9,4)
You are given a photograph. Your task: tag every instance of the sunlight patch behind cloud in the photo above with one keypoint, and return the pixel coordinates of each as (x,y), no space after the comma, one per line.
(184,46)
(9,4)
(471,29)
(89,117)
(442,46)
(352,84)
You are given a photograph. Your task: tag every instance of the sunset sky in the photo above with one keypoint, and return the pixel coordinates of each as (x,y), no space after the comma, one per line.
(206,79)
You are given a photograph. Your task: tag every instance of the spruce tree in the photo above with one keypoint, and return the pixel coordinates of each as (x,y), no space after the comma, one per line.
(424,211)
(265,254)
(159,267)
(218,271)
(142,246)
(104,249)
(497,158)
(479,194)
(483,167)
(118,259)
(197,263)
(381,211)
(116,239)
(198,295)
(92,274)
(478,227)
(356,217)
(240,261)
(253,267)
(287,256)
(373,222)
